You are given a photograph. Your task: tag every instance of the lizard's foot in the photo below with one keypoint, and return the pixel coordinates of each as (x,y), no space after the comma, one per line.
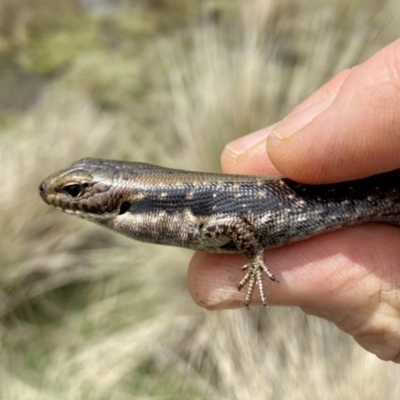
(255,268)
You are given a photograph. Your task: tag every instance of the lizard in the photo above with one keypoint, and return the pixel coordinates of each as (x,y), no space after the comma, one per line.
(217,212)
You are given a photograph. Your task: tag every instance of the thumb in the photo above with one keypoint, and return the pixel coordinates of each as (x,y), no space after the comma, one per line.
(350,133)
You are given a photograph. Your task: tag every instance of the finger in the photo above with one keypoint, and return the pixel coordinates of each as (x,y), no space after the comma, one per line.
(324,91)
(345,276)
(247,155)
(350,134)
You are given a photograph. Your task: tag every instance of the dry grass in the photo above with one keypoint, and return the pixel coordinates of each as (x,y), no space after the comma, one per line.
(86,314)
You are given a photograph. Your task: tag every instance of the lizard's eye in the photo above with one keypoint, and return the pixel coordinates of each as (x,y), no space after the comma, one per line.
(73,190)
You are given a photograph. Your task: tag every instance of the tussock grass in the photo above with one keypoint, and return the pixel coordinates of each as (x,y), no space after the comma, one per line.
(87,314)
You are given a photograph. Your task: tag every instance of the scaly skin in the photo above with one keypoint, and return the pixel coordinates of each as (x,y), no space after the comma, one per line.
(215,212)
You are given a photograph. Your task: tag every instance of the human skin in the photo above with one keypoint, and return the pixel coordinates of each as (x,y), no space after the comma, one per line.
(348,129)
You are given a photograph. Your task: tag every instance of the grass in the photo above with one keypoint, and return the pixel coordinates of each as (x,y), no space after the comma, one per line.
(86,314)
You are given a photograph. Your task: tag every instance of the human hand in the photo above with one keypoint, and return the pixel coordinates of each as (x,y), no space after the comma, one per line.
(348,129)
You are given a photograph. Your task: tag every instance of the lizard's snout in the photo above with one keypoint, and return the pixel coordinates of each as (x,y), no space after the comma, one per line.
(42,187)
(42,190)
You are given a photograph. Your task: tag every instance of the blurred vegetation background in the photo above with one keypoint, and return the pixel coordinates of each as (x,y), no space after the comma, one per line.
(87,314)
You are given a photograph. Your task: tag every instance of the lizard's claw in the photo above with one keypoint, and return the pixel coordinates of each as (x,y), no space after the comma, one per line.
(255,268)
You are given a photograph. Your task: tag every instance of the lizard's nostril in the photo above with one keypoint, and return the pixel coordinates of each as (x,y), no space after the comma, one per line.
(42,187)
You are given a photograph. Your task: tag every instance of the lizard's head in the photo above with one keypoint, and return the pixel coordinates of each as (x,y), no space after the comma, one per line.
(85,189)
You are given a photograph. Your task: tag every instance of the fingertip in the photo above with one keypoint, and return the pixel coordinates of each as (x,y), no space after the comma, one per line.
(298,150)
(333,86)
(211,282)
(244,143)
(295,122)
(248,155)
(299,158)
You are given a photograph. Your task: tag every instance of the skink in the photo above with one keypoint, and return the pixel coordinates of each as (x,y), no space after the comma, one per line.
(216,212)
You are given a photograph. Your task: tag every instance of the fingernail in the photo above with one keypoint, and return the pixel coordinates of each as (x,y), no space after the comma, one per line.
(294,123)
(244,143)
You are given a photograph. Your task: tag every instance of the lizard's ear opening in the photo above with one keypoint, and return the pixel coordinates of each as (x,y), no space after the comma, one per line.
(124,207)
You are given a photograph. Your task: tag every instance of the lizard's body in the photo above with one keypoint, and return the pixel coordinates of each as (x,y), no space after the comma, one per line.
(216,212)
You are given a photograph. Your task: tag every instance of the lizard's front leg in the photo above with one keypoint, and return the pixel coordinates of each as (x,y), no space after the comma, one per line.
(247,241)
